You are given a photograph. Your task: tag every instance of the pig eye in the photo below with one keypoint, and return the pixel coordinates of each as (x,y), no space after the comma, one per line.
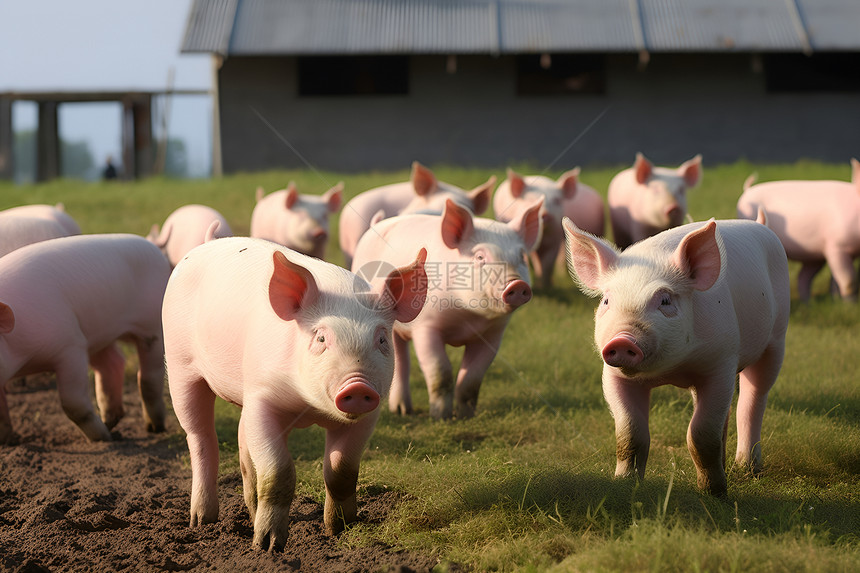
(605,301)
(665,300)
(321,338)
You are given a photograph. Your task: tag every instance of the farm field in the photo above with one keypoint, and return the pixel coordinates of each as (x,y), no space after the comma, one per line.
(525,485)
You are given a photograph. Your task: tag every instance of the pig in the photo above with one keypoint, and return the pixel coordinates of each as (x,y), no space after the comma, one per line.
(565,197)
(293,341)
(692,307)
(64,303)
(423,192)
(185,228)
(478,275)
(54,212)
(16,232)
(817,222)
(645,200)
(298,222)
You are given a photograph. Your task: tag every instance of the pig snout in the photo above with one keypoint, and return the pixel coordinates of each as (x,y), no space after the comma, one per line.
(356,397)
(622,351)
(517,292)
(319,235)
(674,213)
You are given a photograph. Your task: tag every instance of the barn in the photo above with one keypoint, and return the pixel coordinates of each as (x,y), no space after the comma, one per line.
(375,84)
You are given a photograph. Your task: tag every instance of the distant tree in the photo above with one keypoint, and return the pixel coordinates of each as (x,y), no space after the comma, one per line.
(76,158)
(176,159)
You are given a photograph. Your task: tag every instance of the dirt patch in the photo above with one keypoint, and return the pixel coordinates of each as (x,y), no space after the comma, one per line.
(67,504)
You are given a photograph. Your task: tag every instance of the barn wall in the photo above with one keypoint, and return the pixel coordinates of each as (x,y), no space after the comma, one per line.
(678,106)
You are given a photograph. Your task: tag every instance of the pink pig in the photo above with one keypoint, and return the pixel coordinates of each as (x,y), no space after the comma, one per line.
(16,232)
(566,197)
(293,341)
(423,192)
(478,276)
(298,222)
(645,200)
(692,307)
(53,212)
(186,228)
(818,222)
(64,303)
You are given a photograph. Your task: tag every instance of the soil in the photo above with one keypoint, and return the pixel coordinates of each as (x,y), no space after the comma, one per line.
(67,504)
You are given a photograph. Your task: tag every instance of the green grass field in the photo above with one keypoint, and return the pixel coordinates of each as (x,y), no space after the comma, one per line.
(526,485)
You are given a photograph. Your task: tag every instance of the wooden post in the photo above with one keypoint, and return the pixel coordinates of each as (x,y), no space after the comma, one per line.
(7,140)
(143,151)
(47,142)
(128,155)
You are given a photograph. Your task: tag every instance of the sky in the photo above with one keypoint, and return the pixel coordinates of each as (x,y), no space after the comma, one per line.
(63,45)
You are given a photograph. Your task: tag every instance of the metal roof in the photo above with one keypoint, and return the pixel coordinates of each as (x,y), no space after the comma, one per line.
(281,27)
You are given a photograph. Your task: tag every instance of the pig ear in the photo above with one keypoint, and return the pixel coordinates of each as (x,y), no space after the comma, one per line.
(334,197)
(691,171)
(405,289)
(517,183)
(568,182)
(481,195)
(292,195)
(530,225)
(457,225)
(210,232)
(7,319)
(589,258)
(699,256)
(291,288)
(855,172)
(761,216)
(260,193)
(642,168)
(423,180)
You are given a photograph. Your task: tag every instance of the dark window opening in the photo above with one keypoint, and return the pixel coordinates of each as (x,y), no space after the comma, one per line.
(560,74)
(820,72)
(353,75)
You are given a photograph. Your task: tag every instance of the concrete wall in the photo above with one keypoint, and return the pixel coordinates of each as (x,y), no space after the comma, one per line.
(680,105)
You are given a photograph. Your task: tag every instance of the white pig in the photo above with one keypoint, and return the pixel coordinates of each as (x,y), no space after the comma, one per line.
(691,307)
(64,303)
(16,232)
(818,222)
(298,222)
(185,228)
(53,212)
(293,341)
(645,200)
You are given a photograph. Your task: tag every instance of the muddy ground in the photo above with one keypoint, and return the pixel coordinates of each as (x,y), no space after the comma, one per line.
(67,504)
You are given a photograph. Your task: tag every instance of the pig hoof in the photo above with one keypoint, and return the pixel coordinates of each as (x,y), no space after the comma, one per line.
(154,428)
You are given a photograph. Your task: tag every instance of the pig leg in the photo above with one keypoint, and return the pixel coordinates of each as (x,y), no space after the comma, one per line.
(194,405)
(249,474)
(150,381)
(543,261)
(619,218)
(842,267)
(73,385)
(434,362)
(756,380)
(265,434)
(807,272)
(344,447)
(629,404)
(706,434)
(109,367)
(400,398)
(477,358)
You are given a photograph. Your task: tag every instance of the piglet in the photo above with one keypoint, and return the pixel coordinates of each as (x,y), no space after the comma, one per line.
(691,307)
(422,193)
(478,276)
(186,228)
(298,222)
(293,341)
(16,232)
(53,212)
(645,200)
(64,303)
(567,196)
(818,222)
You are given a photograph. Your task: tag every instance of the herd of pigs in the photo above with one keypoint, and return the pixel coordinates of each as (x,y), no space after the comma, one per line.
(265,323)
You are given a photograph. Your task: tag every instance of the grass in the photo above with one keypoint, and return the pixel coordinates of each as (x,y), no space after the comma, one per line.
(527,484)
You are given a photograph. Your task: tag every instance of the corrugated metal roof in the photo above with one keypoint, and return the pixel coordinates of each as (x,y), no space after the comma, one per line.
(270,27)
